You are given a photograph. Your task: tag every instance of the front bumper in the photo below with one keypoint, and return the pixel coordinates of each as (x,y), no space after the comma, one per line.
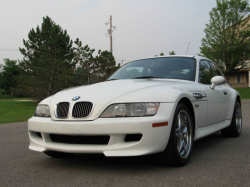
(153,139)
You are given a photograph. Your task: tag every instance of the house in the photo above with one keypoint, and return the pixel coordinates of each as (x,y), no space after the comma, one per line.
(239,78)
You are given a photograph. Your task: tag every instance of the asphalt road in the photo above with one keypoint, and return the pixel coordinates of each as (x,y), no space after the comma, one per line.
(216,161)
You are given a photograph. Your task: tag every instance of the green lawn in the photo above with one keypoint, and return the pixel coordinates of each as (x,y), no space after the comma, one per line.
(244,92)
(16,111)
(12,110)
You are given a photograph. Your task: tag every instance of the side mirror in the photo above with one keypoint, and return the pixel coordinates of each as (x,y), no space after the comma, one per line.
(217,80)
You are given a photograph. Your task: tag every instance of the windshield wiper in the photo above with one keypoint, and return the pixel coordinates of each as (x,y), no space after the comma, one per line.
(147,77)
(111,79)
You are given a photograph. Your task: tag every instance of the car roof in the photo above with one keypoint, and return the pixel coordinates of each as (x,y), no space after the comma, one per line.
(188,56)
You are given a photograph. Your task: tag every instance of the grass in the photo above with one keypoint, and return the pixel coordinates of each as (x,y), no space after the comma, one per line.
(244,92)
(14,99)
(15,111)
(12,110)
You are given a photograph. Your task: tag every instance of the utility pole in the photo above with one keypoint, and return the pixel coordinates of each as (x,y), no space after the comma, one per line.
(187,48)
(110,31)
(123,61)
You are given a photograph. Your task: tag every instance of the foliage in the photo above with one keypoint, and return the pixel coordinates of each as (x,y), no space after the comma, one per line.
(95,69)
(47,66)
(8,76)
(84,57)
(16,111)
(1,90)
(227,36)
(105,65)
(172,53)
(161,54)
(80,77)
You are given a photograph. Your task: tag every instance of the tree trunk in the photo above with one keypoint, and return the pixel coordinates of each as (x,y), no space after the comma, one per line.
(88,75)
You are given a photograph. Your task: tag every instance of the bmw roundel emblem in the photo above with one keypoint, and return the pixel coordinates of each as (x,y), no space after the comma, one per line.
(75,98)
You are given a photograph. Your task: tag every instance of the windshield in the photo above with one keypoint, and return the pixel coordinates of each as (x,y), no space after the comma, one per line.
(166,68)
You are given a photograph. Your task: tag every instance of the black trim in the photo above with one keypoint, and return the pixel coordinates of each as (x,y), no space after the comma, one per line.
(133,137)
(83,139)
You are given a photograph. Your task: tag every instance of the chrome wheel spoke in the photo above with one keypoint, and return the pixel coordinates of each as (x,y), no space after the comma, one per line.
(183,133)
(180,146)
(185,146)
(178,135)
(184,130)
(179,123)
(238,120)
(178,128)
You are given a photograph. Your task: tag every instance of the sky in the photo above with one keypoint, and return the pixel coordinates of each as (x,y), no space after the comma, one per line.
(144,28)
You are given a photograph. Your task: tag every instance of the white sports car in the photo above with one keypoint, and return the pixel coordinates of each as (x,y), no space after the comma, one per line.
(154,105)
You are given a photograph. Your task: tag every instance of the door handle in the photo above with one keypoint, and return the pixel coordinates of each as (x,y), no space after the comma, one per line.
(225,93)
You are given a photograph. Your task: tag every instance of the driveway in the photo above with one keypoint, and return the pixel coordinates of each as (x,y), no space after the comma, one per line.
(216,161)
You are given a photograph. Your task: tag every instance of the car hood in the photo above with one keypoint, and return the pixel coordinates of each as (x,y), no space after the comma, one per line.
(120,91)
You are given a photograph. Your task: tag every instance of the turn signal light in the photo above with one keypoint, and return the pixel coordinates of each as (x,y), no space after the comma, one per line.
(159,124)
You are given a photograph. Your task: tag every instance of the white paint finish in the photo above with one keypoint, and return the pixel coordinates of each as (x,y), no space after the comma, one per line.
(200,113)
(121,91)
(214,113)
(217,104)
(232,95)
(46,101)
(153,140)
(217,80)
(207,130)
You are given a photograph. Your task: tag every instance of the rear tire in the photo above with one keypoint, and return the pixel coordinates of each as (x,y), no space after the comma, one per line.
(56,154)
(179,148)
(234,129)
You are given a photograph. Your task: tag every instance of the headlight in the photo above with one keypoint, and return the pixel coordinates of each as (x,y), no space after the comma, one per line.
(42,111)
(130,110)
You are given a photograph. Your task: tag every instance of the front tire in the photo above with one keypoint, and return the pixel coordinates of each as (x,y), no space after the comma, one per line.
(234,129)
(179,148)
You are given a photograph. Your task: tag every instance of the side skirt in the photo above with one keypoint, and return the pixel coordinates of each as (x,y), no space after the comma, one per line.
(210,129)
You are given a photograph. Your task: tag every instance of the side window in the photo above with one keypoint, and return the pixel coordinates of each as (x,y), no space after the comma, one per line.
(206,72)
(216,70)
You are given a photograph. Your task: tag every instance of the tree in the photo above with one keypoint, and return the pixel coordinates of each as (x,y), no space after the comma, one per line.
(84,57)
(227,35)
(161,54)
(171,53)
(105,65)
(8,76)
(97,68)
(80,77)
(47,66)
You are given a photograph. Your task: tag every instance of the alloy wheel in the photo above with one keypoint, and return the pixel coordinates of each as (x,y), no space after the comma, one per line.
(183,134)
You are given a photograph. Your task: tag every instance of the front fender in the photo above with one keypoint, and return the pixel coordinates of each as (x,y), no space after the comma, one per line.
(233,96)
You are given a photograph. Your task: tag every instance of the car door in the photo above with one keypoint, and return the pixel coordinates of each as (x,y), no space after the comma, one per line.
(223,87)
(217,100)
